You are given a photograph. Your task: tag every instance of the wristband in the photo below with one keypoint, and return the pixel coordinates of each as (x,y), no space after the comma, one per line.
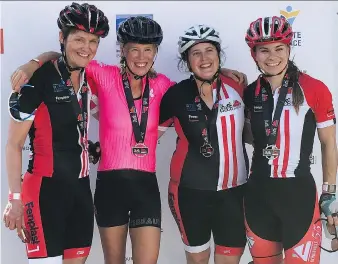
(38,61)
(329,188)
(14,196)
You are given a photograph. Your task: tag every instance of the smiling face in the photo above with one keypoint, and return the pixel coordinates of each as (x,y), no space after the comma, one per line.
(272,58)
(139,57)
(81,47)
(203,59)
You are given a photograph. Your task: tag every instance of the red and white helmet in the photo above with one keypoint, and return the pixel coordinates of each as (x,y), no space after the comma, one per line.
(268,30)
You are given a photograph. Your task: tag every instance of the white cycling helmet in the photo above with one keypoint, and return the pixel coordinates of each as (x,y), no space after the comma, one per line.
(197,34)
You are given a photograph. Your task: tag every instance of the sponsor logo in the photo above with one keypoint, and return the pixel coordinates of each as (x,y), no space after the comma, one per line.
(59,87)
(190,107)
(193,118)
(31,223)
(231,106)
(313,159)
(330,113)
(290,15)
(145,221)
(171,201)
(60,99)
(121,18)
(306,251)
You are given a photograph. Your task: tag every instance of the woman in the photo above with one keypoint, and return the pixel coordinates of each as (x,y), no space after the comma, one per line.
(126,180)
(208,168)
(52,208)
(284,108)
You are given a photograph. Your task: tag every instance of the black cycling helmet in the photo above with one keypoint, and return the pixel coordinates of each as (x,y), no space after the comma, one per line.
(140,30)
(84,17)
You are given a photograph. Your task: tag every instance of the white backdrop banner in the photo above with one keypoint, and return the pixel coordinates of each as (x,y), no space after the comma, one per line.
(30,28)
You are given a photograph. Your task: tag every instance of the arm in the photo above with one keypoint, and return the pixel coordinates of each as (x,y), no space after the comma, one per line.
(22,112)
(23,73)
(325,118)
(327,137)
(237,76)
(247,132)
(165,120)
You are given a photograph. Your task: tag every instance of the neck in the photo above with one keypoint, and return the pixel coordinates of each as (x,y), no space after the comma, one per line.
(75,77)
(204,89)
(276,81)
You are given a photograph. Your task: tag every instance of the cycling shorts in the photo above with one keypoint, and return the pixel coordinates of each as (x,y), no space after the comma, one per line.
(281,213)
(198,213)
(59,216)
(127,196)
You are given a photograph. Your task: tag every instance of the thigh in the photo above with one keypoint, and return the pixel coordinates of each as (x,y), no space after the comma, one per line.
(46,207)
(145,244)
(145,208)
(191,210)
(111,199)
(228,226)
(113,240)
(80,222)
(263,228)
(299,212)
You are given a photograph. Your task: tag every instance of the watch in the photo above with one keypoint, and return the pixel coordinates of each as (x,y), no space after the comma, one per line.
(329,188)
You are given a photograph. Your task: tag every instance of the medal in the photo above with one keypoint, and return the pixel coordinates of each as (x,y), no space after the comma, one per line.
(140,150)
(271,152)
(207,150)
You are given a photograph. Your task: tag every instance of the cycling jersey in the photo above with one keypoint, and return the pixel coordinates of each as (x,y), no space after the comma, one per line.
(55,140)
(115,127)
(296,130)
(226,168)
(56,190)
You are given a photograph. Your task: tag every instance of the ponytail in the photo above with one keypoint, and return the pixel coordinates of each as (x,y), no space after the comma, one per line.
(297,94)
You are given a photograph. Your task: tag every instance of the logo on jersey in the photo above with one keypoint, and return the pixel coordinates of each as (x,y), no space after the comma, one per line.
(288,102)
(193,118)
(190,107)
(330,113)
(59,87)
(231,106)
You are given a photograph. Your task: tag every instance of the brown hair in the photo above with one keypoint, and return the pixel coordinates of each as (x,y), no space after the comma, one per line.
(297,94)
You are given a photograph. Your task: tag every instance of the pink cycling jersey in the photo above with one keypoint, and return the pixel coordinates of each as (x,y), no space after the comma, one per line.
(115,129)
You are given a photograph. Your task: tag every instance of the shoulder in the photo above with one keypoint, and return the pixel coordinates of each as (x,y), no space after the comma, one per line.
(176,90)
(310,83)
(161,82)
(230,82)
(95,65)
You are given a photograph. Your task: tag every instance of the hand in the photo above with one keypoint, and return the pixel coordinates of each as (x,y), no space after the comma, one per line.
(329,206)
(22,75)
(94,151)
(237,76)
(13,217)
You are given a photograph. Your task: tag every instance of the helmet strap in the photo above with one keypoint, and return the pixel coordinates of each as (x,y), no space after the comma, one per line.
(69,68)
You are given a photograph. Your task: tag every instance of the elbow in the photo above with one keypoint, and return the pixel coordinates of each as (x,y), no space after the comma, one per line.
(14,146)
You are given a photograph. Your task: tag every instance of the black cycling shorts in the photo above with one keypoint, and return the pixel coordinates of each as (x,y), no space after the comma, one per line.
(198,213)
(127,196)
(281,214)
(59,216)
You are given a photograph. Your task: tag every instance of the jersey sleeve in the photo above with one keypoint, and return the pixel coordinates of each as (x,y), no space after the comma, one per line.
(94,102)
(23,107)
(166,113)
(247,98)
(323,106)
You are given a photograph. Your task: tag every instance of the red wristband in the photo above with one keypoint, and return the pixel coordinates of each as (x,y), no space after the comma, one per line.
(14,196)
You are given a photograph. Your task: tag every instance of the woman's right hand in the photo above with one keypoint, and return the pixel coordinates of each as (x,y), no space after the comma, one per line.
(13,217)
(22,75)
